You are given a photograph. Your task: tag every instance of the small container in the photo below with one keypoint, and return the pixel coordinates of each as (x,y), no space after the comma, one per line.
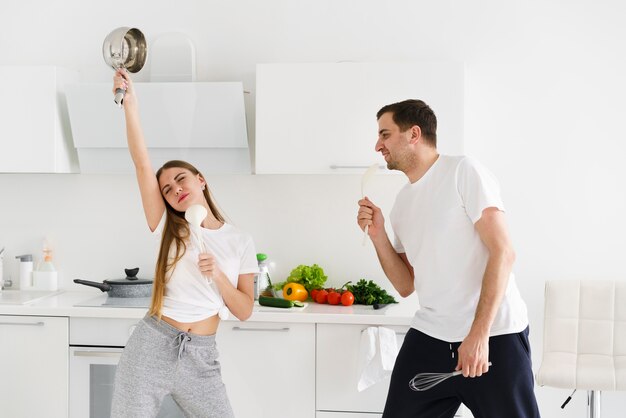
(26,271)
(262,281)
(45,277)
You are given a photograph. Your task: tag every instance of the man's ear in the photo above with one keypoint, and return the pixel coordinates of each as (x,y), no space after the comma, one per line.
(416,134)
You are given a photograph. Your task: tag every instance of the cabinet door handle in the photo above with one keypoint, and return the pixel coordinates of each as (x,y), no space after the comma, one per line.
(33,324)
(97,353)
(285,329)
(337,167)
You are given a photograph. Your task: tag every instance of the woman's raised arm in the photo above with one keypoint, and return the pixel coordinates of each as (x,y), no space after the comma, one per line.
(151,198)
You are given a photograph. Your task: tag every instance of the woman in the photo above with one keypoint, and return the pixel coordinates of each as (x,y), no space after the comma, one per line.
(172,350)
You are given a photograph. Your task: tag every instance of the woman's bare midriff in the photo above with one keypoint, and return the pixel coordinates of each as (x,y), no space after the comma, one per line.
(207,326)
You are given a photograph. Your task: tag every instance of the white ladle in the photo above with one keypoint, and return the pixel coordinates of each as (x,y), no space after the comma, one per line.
(195,214)
(367,176)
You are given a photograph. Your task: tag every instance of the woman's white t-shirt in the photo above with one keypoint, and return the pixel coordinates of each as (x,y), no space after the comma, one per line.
(189,296)
(433,222)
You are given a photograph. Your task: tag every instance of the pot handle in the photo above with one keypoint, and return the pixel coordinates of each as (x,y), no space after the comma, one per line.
(105,287)
(119,97)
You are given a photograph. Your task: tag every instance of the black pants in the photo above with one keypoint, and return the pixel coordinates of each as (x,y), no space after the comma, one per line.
(506,391)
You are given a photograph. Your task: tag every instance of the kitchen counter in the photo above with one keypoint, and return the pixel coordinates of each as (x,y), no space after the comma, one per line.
(63,304)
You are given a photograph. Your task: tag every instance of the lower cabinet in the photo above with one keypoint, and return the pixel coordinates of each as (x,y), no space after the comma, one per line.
(338,347)
(268,368)
(337,372)
(34,354)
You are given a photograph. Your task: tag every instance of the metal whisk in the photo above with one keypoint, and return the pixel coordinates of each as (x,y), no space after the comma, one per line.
(425,381)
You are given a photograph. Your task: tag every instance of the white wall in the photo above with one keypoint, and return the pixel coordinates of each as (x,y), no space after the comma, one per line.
(544,110)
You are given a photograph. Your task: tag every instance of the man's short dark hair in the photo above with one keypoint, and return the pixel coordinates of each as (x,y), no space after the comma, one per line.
(413,112)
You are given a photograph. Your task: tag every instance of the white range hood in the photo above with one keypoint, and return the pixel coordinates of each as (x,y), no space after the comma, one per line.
(203,123)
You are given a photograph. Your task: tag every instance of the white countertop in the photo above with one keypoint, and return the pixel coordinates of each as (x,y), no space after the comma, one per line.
(63,304)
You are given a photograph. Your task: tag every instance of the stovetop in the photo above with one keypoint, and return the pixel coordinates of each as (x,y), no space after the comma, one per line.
(105,301)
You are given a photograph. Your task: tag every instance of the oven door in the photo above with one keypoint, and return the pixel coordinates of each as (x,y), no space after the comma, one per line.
(92,374)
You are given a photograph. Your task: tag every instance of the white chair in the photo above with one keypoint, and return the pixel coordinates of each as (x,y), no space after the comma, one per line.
(584,338)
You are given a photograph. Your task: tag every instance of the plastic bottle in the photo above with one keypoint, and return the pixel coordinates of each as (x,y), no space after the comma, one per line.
(26,271)
(45,277)
(262,279)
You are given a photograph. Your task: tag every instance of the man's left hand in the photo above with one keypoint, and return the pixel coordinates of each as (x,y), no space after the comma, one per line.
(474,355)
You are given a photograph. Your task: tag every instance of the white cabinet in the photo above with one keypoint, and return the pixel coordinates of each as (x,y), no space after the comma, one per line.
(268,368)
(34,355)
(203,123)
(35,131)
(321,118)
(338,371)
(336,386)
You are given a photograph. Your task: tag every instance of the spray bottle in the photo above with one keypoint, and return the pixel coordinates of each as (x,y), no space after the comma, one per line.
(45,277)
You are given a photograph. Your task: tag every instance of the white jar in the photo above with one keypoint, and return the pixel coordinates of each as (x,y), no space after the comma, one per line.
(45,277)
(45,280)
(26,271)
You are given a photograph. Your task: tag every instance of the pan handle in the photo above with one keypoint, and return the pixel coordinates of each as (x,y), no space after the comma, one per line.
(105,287)
(119,97)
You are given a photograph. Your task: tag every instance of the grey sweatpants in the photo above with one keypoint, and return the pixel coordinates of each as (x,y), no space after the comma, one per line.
(159,360)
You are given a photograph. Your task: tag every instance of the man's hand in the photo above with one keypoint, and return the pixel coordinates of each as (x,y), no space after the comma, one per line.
(370,214)
(474,355)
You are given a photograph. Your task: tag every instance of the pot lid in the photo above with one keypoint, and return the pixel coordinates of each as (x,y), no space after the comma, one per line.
(131,278)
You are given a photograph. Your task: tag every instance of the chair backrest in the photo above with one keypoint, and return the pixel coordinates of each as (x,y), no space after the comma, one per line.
(584,339)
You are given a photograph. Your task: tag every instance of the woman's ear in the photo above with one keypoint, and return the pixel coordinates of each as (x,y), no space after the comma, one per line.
(202,182)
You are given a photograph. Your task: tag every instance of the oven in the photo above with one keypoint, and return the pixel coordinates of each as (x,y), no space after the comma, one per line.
(96,345)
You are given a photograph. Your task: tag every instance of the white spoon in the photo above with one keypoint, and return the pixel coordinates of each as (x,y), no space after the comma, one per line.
(367,176)
(195,214)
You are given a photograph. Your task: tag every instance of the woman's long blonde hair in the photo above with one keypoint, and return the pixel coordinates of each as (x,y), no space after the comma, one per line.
(175,230)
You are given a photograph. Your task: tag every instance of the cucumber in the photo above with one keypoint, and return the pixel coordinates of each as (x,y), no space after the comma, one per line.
(275,302)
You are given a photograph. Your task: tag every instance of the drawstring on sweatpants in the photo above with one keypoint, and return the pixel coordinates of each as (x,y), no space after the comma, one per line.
(180,341)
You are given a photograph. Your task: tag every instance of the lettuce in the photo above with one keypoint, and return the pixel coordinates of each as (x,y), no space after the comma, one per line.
(311,277)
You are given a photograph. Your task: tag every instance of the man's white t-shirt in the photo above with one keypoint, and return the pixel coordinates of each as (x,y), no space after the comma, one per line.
(433,222)
(189,296)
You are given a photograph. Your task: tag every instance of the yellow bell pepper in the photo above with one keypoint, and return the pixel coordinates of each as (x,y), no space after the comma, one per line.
(295,291)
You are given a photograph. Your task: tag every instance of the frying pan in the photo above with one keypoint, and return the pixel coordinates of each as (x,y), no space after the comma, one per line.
(129,287)
(125,48)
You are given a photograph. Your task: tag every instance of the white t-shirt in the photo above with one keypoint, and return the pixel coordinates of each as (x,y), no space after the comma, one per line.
(189,296)
(433,222)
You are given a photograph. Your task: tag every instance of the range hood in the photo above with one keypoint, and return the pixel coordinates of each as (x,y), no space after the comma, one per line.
(203,123)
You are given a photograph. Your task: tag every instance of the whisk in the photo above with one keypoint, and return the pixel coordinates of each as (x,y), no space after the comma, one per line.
(425,381)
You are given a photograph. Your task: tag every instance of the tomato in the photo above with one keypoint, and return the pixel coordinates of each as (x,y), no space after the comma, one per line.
(314,293)
(334,298)
(321,297)
(347,298)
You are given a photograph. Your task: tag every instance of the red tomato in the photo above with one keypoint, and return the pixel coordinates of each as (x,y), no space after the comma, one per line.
(347,298)
(321,297)
(314,293)
(334,298)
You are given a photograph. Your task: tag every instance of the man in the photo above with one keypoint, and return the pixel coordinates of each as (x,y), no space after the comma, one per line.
(453,249)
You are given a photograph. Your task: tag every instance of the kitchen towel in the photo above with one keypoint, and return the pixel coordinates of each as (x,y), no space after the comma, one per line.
(377,355)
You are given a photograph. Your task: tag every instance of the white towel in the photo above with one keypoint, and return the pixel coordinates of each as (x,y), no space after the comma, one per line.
(377,355)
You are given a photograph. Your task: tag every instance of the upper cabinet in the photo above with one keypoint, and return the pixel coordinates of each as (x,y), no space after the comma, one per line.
(321,118)
(203,123)
(36,136)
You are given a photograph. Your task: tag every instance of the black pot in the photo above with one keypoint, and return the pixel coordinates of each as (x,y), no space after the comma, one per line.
(129,287)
